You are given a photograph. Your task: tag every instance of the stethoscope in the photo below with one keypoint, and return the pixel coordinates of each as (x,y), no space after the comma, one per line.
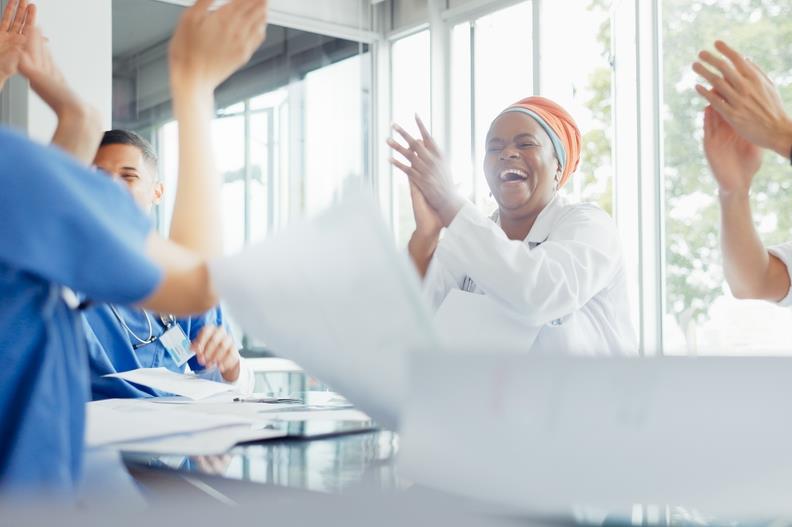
(168,321)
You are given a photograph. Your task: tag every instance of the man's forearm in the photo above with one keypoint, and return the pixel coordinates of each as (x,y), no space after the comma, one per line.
(79,131)
(746,261)
(197,219)
(186,286)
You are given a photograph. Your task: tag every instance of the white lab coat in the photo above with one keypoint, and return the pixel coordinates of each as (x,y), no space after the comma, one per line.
(784,253)
(566,278)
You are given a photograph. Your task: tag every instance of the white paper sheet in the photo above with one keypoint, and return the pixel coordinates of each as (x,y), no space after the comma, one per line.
(186,385)
(124,420)
(469,321)
(541,434)
(335,296)
(205,443)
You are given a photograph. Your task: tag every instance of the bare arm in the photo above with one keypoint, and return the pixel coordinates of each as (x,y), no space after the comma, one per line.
(185,288)
(79,128)
(750,270)
(206,48)
(428,222)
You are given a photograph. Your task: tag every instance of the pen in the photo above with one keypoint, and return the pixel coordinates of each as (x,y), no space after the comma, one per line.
(273,400)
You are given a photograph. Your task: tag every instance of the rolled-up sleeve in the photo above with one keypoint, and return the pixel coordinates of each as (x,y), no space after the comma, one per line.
(578,260)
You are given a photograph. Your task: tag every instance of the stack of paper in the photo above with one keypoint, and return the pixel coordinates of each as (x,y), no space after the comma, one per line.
(123,420)
(543,434)
(186,427)
(205,443)
(164,380)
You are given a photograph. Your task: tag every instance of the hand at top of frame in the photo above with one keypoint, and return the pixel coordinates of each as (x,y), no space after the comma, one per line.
(37,65)
(429,173)
(208,46)
(15,25)
(79,125)
(734,160)
(746,98)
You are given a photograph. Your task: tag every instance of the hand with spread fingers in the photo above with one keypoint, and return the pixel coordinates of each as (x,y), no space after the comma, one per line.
(208,46)
(428,172)
(17,20)
(214,347)
(745,97)
(734,160)
(37,65)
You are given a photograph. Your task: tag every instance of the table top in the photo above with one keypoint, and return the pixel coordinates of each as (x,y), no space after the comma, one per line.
(330,464)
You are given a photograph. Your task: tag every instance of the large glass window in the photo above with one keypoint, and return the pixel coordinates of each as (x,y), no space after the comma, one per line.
(701,316)
(288,152)
(492,67)
(228,139)
(411,95)
(334,142)
(579,78)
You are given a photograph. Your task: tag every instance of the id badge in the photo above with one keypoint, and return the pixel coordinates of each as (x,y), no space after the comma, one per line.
(177,344)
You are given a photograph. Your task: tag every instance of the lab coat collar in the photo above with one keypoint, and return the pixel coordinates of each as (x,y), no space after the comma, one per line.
(544,221)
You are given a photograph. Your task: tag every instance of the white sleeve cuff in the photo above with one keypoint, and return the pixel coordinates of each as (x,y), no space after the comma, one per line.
(784,253)
(246,383)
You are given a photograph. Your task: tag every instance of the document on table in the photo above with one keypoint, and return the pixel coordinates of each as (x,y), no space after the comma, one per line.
(124,420)
(334,295)
(472,321)
(204,443)
(706,433)
(194,427)
(162,379)
(296,414)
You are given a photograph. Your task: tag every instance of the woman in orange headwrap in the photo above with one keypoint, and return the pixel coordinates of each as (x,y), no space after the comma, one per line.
(554,269)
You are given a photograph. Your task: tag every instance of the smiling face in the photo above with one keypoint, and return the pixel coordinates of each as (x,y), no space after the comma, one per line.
(520,165)
(129,165)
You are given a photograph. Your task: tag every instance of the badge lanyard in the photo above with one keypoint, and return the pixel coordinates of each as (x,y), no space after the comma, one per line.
(173,338)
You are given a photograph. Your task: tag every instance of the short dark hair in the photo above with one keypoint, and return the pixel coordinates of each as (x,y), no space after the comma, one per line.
(127,137)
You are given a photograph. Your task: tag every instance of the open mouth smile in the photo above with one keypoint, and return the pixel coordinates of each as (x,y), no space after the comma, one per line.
(512,174)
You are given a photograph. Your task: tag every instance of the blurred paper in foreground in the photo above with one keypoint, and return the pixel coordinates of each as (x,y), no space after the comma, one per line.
(334,295)
(542,434)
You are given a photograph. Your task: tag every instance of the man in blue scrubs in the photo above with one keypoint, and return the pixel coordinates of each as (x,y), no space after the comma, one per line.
(55,212)
(123,338)
(66,227)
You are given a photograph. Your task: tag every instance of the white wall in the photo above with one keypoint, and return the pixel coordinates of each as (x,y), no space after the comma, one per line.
(80,37)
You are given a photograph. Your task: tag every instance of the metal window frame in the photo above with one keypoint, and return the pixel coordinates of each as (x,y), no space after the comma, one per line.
(638,159)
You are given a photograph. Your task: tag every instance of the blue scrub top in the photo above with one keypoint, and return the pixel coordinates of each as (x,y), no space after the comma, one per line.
(61,224)
(110,348)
